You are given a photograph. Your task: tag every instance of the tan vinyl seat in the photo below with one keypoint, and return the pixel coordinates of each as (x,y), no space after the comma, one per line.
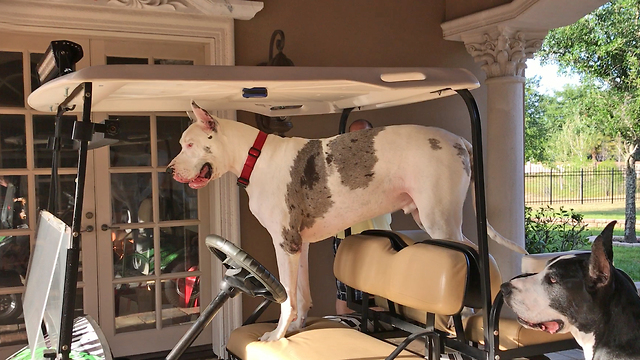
(322,339)
(418,261)
(419,278)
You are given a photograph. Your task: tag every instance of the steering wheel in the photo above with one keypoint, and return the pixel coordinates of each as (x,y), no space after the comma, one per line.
(244,272)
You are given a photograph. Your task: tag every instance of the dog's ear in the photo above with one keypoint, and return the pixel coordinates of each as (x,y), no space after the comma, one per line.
(202,117)
(601,259)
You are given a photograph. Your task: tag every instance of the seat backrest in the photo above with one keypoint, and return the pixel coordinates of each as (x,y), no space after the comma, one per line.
(436,276)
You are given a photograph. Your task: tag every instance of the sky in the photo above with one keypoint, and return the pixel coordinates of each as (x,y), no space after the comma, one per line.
(550,79)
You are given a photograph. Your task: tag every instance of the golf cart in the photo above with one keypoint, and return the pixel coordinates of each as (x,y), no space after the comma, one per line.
(468,277)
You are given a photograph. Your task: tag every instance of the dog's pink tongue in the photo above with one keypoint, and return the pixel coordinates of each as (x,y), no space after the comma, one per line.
(203,171)
(551,327)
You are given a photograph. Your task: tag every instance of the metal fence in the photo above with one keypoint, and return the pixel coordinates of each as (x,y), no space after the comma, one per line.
(576,186)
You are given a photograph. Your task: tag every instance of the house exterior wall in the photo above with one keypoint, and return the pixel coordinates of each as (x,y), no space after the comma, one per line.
(354,33)
(459,8)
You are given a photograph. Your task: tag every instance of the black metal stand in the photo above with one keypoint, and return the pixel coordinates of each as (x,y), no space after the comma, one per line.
(73,252)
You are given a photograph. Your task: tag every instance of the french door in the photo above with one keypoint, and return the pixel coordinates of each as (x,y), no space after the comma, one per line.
(150,258)
(144,268)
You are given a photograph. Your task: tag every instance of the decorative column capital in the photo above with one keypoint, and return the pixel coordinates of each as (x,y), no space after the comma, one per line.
(503,52)
(503,37)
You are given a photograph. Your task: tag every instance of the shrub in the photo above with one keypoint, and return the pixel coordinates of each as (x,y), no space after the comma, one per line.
(548,230)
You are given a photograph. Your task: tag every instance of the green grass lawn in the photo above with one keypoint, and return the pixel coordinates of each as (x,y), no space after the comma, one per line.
(596,210)
(627,259)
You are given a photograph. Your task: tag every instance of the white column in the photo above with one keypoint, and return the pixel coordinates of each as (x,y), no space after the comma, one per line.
(501,38)
(502,54)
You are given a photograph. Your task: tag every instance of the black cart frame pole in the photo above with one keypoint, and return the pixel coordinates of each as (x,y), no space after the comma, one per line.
(481,217)
(342,128)
(73,253)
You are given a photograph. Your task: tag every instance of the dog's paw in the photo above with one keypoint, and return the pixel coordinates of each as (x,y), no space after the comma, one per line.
(270,336)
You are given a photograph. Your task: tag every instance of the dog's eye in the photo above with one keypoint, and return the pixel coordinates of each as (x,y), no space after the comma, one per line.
(551,279)
(190,145)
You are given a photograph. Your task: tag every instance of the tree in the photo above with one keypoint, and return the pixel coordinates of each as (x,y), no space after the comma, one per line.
(604,48)
(577,113)
(537,128)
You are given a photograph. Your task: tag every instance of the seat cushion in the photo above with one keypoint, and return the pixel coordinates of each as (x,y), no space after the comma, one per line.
(512,334)
(321,340)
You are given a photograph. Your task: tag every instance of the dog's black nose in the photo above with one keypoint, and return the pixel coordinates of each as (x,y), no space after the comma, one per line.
(506,289)
(169,170)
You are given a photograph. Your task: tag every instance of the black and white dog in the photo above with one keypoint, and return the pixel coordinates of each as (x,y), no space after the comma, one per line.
(583,294)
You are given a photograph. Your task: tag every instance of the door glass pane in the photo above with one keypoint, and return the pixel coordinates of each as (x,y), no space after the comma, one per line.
(11,79)
(65,196)
(131,198)
(13,194)
(135,148)
(177,201)
(13,148)
(132,252)
(135,306)
(179,248)
(12,328)
(43,129)
(180,300)
(181,296)
(119,60)
(14,256)
(34,58)
(170,129)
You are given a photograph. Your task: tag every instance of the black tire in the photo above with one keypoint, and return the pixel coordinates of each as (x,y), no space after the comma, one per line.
(10,305)
(171,291)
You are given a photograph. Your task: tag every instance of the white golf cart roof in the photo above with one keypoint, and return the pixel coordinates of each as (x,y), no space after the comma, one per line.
(271,91)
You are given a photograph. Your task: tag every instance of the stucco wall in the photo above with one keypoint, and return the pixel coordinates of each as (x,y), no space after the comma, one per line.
(459,8)
(353,33)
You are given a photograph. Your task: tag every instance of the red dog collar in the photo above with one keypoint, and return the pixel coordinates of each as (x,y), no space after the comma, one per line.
(252,157)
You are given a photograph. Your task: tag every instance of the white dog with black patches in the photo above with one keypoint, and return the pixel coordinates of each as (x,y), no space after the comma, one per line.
(304,191)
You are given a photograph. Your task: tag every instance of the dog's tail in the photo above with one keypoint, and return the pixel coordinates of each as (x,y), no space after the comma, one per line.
(491,232)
